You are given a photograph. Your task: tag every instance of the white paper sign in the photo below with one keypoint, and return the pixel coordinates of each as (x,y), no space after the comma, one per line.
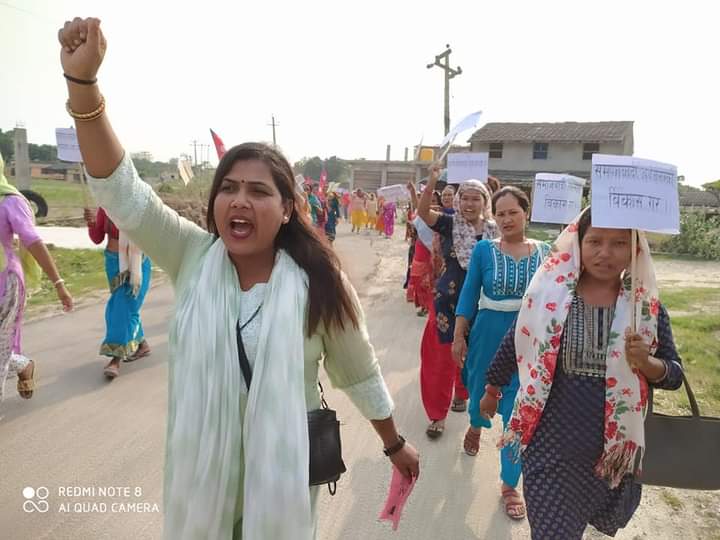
(633,193)
(68,148)
(557,198)
(185,170)
(467,166)
(394,193)
(469,122)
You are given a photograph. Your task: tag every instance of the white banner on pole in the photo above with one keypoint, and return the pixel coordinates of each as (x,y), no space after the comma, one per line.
(466,166)
(469,122)
(68,148)
(394,193)
(633,193)
(185,171)
(557,198)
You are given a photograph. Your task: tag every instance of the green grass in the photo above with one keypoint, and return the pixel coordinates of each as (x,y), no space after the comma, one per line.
(696,298)
(83,271)
(696,329)
(543,235)
(65,199)
(671,500)
(59,192)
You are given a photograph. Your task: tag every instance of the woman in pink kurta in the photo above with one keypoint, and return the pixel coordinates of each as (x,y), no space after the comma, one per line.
(16,219)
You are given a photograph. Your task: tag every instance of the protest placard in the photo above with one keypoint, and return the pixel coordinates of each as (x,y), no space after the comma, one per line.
(467,165)
(557,198)
(68,148)
(394,193)
(634,193)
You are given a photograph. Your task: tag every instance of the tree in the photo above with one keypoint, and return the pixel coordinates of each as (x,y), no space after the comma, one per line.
(46,153)
(7,145)
(337,169)
(714,188)
(310,167)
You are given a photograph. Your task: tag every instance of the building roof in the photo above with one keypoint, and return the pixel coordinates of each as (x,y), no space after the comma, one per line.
(698,198)
(553,132)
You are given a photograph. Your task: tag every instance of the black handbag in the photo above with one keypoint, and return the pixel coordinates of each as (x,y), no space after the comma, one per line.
(681,451)
(326,463)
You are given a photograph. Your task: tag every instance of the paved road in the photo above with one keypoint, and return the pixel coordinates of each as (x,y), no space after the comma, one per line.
(80,431)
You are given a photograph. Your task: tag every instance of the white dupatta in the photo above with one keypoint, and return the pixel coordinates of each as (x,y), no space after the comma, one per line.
(207,435)
(131,259)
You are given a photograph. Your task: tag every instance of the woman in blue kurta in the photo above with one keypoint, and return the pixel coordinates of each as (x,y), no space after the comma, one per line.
(498,274)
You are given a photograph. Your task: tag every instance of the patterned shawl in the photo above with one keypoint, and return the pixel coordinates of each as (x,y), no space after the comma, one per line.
(464,233)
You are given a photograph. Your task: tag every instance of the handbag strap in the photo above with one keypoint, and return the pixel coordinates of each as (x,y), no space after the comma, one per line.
(691,397)
(242,356)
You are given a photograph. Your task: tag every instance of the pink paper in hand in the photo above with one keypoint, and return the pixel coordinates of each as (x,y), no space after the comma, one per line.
(400,489)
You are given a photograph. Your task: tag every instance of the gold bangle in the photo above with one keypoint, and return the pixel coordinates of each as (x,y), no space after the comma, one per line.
(87,117)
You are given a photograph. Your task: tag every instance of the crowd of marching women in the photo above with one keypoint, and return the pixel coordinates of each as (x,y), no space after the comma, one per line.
(542,335)
(536,334)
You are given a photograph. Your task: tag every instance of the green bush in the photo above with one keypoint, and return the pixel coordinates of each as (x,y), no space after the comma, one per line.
(699,236)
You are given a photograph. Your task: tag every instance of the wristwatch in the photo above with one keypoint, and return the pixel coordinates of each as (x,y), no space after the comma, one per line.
(396,447)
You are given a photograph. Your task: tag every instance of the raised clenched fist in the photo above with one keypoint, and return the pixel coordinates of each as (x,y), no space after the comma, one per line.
(83,48)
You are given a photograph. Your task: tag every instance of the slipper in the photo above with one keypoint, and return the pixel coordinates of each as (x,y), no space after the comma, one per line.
(26,385)
(435,429)
(471,444)
(138,355)
(459,405)
(514,503)
(111,371)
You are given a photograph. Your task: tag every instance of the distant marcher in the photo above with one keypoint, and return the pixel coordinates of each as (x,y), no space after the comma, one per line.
(128,273)
(20,271)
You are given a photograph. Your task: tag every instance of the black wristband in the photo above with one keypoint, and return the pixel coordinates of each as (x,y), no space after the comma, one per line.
(79,81)
(395,448)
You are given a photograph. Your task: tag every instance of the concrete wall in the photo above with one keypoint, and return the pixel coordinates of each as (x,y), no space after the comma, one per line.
(562,157)
(22,159)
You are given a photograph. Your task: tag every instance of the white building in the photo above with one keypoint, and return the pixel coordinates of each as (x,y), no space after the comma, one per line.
(520,150)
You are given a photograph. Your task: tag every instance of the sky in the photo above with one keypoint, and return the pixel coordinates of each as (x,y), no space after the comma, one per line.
(349,78)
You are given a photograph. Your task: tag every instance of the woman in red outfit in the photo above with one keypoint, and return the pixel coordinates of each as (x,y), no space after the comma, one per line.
(440,379)
(128,273)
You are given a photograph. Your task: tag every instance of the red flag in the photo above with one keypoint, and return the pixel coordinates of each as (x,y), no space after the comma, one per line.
(219,146)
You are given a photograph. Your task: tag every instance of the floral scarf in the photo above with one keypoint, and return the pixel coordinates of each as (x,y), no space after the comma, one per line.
(464,234)
(538,335)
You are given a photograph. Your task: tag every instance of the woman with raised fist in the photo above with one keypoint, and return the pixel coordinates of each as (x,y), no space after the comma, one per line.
(260,289)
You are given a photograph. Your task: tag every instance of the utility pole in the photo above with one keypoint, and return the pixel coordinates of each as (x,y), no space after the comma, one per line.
(194,144)
(449,74)
(274,124)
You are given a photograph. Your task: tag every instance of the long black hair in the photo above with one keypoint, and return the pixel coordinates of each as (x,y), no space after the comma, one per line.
(329,299)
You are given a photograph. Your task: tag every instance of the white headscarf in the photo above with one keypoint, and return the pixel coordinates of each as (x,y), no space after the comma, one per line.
(464,233)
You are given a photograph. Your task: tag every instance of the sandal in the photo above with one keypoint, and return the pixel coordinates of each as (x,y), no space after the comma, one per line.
(471,444)
(435,429)
(514,503)
(142,352)
(26,385)
(111,370)
(459,405)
